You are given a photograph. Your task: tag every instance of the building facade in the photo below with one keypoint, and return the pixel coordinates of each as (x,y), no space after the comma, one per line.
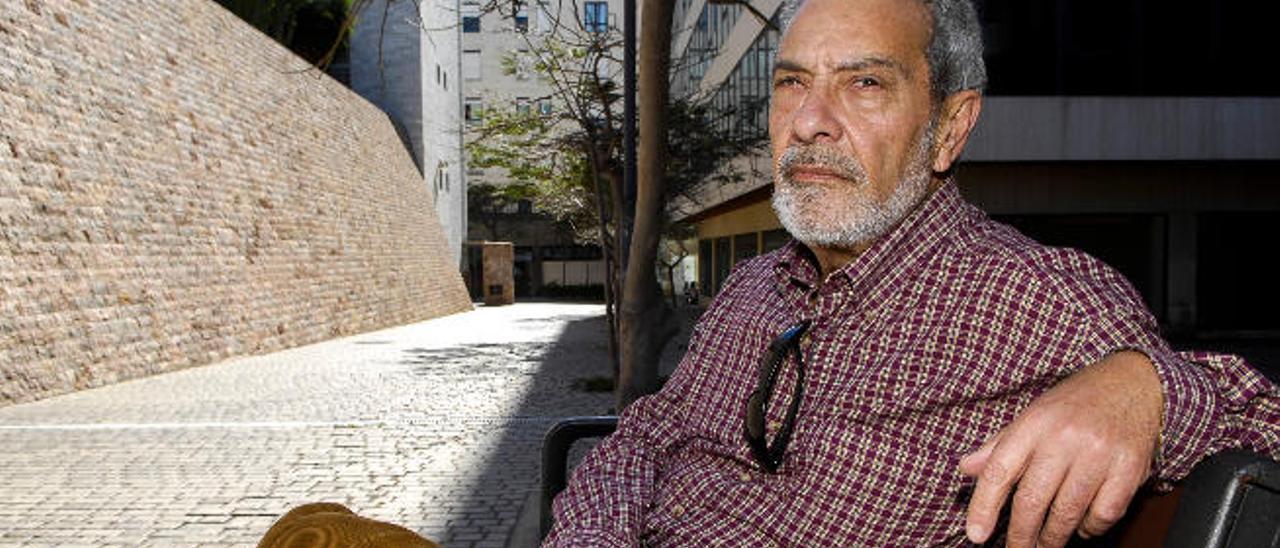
(499,56)
(405,58)
(1111,133)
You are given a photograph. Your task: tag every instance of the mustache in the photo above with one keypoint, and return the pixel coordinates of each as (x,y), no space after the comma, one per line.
(824,157)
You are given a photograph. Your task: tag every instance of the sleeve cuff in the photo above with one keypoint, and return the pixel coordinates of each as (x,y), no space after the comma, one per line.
(1189,419)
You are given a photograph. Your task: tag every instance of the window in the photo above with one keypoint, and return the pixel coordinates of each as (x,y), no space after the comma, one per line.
(596,17)
(522,105)
(745,246)
(522,19)
(523,64)
(472,110)
(544,107)
(471,17)
(544,17)
(471,64)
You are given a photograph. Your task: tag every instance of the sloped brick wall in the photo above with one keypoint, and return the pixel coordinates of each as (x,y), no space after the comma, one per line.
(173,192)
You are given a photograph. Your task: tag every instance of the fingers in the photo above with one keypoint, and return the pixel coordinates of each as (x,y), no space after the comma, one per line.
(1033,496)
(971,465)
(1112,499)
(1079,487)
(1004,465)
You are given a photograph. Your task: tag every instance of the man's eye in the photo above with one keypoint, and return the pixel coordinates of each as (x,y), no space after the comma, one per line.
(786,81)
(866,82)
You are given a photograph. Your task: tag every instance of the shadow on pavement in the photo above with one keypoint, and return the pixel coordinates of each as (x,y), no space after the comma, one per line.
(487,508)
(510,478)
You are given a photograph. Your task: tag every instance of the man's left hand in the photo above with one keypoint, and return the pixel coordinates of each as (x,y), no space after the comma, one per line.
(1073,459)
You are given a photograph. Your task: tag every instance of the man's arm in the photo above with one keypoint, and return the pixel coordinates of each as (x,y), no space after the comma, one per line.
(1079,453)
(1073,459)
(604,503)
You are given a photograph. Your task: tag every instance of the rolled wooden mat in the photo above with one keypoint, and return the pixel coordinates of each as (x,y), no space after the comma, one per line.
(330,525)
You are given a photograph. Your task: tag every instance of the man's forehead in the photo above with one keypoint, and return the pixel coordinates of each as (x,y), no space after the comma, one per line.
(840,33)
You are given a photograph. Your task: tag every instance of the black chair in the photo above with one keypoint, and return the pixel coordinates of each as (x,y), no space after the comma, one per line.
(555,456)
(1231,500)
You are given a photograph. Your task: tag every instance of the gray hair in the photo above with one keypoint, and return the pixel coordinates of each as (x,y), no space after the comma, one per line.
(955,45)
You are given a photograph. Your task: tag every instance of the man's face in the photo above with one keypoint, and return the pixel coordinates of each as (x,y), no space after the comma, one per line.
(850,123)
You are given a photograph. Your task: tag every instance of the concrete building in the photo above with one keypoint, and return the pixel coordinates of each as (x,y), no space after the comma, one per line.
(499,47)
(1109,132)
(405,59)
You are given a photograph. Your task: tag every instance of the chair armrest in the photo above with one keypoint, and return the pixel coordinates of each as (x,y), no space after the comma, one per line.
(555,455)
(1230,500)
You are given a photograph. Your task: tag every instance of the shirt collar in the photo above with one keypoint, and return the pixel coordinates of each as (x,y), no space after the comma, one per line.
(905,246)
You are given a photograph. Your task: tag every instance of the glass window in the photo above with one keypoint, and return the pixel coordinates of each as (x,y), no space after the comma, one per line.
(471,17)
(523,64)
(471,64)
(1128,47)
(522,20)
(704,267)
(472,109)
(773,239)
(544,107)
(522,105)
(544,18)
(723,264)
(596,17)
(744,247)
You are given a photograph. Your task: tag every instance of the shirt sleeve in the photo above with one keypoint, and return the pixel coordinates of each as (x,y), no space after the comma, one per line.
(1212,401)
(611,491)
(605,502)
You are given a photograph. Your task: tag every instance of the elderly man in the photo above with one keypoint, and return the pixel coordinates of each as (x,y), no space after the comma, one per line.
(897,372)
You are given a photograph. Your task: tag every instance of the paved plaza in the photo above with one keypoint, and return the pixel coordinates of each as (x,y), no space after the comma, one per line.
(435,426)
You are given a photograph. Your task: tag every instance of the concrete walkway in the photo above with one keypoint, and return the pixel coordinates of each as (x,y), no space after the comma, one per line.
(435,426)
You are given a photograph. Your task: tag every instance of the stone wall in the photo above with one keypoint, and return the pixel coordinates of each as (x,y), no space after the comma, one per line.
(175,191)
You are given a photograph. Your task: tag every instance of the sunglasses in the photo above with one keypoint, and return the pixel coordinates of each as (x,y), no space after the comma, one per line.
(769,455)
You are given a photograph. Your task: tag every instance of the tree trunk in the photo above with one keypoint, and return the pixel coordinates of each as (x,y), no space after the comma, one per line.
(644,328)
(599,167)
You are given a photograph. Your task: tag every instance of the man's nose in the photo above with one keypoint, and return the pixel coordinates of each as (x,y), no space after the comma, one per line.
(815,119)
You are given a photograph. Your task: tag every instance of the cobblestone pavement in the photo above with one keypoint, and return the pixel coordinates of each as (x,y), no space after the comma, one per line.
(435,426)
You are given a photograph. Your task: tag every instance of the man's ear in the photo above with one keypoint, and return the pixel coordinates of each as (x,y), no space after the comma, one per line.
(958,116)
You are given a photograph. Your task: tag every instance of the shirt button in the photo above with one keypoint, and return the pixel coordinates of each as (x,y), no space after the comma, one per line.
(677,511)
(744,476)
(774,426)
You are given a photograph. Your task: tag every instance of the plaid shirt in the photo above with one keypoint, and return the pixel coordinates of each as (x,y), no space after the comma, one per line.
(920,348)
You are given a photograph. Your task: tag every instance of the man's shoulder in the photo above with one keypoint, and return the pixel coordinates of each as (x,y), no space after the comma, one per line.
(1000,258)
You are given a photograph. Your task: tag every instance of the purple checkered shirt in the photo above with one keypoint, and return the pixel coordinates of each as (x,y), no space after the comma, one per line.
(920,348)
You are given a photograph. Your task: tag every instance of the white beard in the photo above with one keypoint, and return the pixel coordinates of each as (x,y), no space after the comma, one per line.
(844,218)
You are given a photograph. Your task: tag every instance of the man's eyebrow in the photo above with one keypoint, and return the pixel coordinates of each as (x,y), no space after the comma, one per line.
(788,66)
(864,63)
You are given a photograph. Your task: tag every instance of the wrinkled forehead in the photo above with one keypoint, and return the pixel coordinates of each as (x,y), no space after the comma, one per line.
(834,31)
